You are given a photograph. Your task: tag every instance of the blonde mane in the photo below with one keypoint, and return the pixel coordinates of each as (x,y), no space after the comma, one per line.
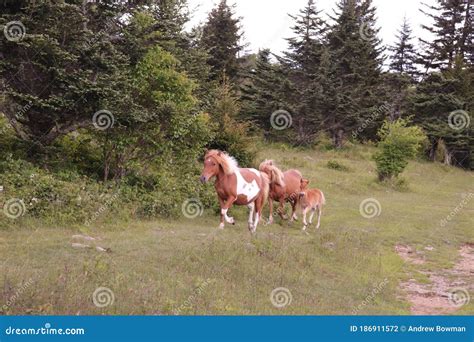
(228,163)
(276,176)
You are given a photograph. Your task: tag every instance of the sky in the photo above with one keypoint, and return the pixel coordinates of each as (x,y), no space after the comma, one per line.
(266,23)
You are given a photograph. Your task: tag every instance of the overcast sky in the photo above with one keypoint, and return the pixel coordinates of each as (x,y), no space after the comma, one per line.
(266,22)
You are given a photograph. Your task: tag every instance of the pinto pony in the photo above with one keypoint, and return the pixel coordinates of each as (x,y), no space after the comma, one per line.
(311,200)
(284,186)
(236,185)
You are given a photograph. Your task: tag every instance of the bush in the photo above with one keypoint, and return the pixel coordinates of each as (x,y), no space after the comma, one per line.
(398,144)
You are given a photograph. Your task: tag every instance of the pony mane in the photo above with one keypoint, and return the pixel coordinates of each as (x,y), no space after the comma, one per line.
(276,175)
(227,162)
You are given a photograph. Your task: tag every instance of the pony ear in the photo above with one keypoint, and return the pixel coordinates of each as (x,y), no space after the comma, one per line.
(270,162)
(303,180)
(219,153)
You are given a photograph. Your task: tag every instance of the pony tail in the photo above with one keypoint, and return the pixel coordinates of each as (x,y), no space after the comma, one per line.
(323,199)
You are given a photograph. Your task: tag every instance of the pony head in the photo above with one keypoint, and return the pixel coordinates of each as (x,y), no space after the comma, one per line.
(273,172)
(304,184)
(214,162)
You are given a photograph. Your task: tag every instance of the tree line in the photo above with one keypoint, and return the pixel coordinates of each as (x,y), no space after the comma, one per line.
(127,80)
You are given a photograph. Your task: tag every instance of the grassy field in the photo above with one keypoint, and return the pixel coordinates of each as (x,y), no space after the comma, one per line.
(187,266)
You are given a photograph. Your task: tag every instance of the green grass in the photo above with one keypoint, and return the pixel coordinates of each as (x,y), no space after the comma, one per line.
(156,267)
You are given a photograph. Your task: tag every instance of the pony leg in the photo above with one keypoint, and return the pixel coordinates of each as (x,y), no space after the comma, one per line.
(258,212)
(221,204)
(294,202)
(313,210)
(224,208)
(281,209)
(305,211)
(270,205)
(251,207)
(320,212)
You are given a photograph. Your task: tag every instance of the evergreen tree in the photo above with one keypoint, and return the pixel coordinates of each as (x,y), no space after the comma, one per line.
(302,62)
(452,30)
(221,37)
(443,106)
(65,68)
(404,55)
(261,91)
(403,72)
(355,53)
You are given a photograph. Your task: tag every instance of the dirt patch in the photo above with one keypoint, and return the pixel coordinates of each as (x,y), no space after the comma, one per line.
(447,291)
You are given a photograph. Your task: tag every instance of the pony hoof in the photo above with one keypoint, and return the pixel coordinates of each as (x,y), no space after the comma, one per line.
(221,226)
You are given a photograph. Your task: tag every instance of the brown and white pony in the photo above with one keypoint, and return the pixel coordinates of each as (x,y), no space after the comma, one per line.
(284,186)
(236,185)
(311,200)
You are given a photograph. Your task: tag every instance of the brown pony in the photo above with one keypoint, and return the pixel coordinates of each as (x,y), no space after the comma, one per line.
(311,200)
(236,185)
(284,186)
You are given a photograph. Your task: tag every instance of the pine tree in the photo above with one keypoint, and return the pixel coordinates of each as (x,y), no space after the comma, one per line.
(451,29)
(440,101)
(403,72)
(301,63)
(404,55)
(356,56)
(221,37)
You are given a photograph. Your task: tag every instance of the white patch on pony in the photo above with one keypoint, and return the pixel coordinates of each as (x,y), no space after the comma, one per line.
(256,172)
(250,190)
(227,218)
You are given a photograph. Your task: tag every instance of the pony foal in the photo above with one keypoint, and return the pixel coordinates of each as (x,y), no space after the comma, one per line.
(311,200)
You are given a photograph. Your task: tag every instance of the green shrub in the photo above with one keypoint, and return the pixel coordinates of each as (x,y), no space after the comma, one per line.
(334,165)
(398,144)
